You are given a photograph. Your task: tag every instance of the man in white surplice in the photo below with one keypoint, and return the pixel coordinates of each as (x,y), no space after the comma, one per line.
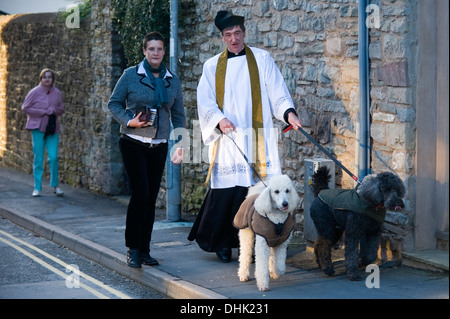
(231,175)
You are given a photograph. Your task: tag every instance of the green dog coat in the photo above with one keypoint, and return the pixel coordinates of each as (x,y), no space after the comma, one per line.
(349,199)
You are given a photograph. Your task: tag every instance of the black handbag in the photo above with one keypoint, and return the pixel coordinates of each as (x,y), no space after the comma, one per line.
(51,125)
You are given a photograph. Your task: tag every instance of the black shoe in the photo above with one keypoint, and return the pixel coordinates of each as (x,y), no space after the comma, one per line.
(148,260)
(133,259)
(224,255)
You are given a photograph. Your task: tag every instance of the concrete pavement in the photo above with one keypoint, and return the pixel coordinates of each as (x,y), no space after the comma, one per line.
(93,226)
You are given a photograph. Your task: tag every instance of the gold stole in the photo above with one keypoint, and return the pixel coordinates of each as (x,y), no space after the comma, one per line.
(257,114)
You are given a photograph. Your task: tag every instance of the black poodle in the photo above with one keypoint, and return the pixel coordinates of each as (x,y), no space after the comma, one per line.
(358,212)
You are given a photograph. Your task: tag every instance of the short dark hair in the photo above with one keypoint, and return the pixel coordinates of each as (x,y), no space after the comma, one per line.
(153,36)
(231,27)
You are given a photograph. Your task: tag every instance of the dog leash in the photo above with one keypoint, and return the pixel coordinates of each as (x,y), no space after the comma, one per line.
(245,158)
(289,127)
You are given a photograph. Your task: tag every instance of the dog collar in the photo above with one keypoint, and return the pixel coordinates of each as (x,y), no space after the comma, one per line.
(379,206)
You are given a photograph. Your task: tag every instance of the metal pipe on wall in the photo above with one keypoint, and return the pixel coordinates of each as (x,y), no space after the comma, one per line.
(364,100)
(174,36)
(173,172)
(364,150)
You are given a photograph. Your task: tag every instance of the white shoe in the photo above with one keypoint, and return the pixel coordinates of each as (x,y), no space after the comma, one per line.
(58,191)
(36,193)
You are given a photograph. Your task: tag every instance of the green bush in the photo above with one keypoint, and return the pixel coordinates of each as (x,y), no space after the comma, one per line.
(135,19)
(85,8)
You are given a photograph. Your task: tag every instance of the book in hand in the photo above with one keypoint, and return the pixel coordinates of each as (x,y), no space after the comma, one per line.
(149,116)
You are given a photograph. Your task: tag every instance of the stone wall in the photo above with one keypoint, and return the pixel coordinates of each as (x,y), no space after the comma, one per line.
(393,78)
(88,62)
(315,45)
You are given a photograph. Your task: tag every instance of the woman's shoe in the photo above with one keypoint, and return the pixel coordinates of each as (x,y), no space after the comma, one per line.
(133,258)
(148,260)
(58,192)
(224,255)
(36,193)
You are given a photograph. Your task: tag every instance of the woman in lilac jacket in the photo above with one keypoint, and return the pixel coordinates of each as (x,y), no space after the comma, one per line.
(43,105)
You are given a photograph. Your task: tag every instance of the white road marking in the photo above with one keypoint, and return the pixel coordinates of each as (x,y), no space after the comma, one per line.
(62,263)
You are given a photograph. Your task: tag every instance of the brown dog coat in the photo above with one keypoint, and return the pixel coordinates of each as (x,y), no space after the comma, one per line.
(274,234)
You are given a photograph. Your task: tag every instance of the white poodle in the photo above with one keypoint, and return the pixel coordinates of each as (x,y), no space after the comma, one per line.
(267,216)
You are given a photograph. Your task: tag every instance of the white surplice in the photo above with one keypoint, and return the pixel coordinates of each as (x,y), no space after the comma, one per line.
(230,168)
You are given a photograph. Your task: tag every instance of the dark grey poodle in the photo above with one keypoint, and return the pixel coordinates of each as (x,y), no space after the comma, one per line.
(358,212)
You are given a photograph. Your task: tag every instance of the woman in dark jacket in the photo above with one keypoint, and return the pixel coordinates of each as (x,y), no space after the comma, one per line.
(145,99)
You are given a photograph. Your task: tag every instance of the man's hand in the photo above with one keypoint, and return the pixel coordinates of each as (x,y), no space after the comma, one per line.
(177,156)
(226,126)
(294,121)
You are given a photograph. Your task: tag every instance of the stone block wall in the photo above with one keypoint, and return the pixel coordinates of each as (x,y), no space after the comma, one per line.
(315,45)
(87,61)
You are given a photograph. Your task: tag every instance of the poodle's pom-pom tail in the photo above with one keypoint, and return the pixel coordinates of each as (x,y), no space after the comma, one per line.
(321,178)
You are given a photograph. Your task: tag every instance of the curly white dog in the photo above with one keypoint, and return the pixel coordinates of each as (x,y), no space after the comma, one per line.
(266,216)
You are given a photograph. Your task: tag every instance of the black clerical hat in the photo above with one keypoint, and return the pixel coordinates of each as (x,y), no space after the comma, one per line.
(224,19)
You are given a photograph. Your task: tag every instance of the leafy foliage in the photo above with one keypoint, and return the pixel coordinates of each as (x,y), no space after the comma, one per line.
(138,17)
(84,7)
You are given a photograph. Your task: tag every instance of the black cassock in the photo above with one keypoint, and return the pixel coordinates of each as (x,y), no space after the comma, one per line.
(213,228)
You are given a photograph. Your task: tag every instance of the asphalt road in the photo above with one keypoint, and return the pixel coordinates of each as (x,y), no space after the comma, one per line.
(32,267)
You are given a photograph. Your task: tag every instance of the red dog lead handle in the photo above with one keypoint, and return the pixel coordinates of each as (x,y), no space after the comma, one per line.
(287,128)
